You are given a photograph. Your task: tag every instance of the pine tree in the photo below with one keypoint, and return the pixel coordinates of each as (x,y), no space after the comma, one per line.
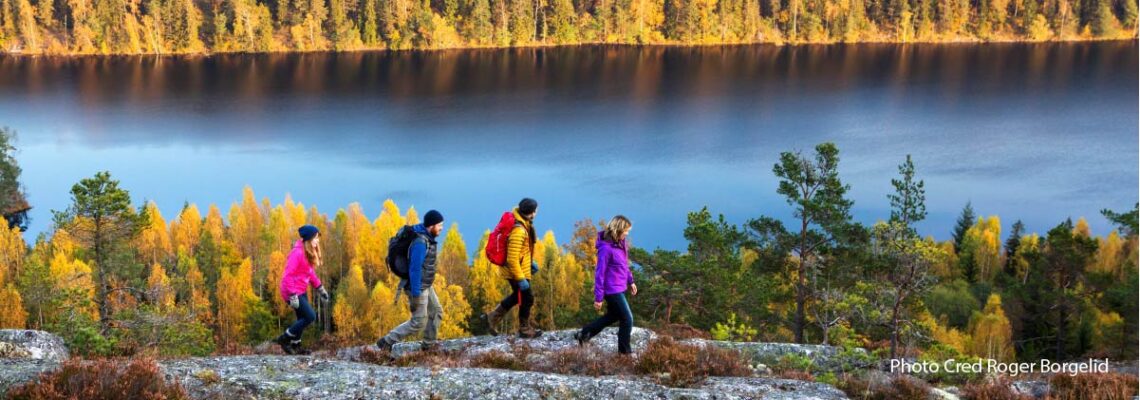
(813,188)
(1011,244)
(908,203)
(965,221)
(101,218)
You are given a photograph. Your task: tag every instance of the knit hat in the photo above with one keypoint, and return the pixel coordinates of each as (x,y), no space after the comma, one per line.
(528,206)
(308,232)
(432,217)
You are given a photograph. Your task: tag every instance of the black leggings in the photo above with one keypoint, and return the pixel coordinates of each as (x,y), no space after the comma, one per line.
(517,296)
(617,310)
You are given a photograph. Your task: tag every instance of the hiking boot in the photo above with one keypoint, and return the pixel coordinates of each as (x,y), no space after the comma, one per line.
(286,343)
(297,349)
(493,319)
(527,331)
(383,345)
(432,346)
(581,337)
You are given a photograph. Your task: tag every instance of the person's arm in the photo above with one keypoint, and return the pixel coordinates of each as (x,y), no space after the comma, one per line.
(516,244)
(600,274)
(416,254)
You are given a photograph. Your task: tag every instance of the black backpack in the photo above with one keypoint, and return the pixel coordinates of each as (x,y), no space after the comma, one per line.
(398,245)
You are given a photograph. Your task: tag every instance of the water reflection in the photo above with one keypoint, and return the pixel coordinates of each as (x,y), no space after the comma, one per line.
(1032,131)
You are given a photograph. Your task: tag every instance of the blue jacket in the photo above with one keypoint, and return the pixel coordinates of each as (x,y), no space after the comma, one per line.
(421,260)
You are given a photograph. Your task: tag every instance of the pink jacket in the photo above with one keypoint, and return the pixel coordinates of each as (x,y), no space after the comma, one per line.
(298,274)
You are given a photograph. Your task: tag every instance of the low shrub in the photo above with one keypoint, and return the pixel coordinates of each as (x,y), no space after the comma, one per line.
(996,389)
(682,365)
(101,379)
(671,363)
(498,360)
(899,387)
(588,361)
(796,375)
(1112,386)
(716,361)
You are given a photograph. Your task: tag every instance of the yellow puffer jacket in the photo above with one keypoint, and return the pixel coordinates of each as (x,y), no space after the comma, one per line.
(520,250)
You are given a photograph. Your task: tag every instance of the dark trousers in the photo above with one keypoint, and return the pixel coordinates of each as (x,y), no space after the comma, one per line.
(305,316)
(617,310)
(525,297)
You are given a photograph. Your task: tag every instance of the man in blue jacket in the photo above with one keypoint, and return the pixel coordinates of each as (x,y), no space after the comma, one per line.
(426,311)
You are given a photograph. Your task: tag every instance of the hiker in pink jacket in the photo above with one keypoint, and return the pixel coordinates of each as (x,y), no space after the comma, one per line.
(299,274)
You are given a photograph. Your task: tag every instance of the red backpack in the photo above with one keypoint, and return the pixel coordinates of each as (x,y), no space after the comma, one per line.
(497,243)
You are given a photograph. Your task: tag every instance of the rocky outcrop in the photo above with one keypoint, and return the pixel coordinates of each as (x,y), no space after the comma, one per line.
(15,371)
(548,342)
(824,358)
(29,344)
(25,354)
(271,377)
(339,375)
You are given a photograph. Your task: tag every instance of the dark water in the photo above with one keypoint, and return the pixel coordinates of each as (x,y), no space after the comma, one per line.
(1035,132)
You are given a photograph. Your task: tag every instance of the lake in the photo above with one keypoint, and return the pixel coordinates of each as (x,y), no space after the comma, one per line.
(1037,132)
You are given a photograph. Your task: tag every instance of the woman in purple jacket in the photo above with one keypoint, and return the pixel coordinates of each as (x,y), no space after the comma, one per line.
(611,279)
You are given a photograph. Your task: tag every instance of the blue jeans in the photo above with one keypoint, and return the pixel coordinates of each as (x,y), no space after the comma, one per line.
(305,316)
(617,310)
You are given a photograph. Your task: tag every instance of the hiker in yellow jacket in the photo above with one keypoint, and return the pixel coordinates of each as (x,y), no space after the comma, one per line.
(517,269)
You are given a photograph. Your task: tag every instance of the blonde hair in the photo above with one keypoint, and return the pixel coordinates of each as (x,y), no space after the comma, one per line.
(618,225)
(313,252)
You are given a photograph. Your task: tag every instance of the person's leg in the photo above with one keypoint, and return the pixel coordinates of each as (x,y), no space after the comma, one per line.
(413,325)
(305,316)
(625,316)
(290,341)
(527,297)
(526,326)
(512,298)
(600,323)
(495,317)
(434,315)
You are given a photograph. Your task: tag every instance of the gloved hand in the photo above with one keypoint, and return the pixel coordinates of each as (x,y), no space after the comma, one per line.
(524,285)
(294,302)
(324,294)
(533,268)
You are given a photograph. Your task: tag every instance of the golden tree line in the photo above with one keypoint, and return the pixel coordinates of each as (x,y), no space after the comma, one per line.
(198,26)
(222,273)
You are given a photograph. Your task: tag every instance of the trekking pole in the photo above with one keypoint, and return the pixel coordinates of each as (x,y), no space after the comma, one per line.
(321,315)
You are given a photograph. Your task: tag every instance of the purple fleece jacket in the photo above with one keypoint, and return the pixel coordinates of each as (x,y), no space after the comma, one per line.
(612,274)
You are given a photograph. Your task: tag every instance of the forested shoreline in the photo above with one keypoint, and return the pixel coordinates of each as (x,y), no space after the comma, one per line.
(63,27)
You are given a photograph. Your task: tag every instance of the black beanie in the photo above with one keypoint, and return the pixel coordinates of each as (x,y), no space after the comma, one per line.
(307,232)
(527,206)
(432,217)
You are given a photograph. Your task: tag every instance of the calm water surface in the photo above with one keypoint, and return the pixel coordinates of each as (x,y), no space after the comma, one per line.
(1038,132)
